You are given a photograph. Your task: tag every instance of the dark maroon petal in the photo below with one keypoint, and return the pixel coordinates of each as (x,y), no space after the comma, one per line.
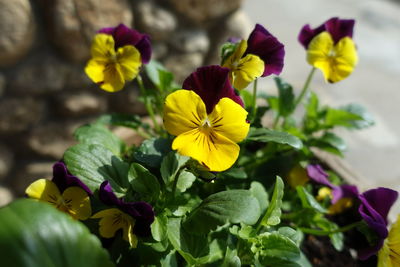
(211,83)
(268,48)
(381,200)
(63,179)
(349,191)
(307,34)
(123,35)
(340,28)
(318,175)
(143,214)
(107,195)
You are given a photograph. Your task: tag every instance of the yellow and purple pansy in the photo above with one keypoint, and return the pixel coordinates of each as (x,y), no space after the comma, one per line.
(389,254)
(330,48)
(65,191)
(261,55)
(117,55)
(133,218)
(207,118)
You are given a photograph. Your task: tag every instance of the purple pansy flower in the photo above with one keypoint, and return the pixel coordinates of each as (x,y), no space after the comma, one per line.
(263,44)
(211,83)
(374,208)
(337,28)
(123,35)
(63,179)
(141,211)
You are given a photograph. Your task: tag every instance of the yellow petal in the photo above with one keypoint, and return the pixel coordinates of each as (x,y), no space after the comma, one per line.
(234,59)
(341,205)
(102,46)
(213,150)
(249,68)
(130,61)
(111,221)
(297,176)
(183,111)
(95,70)
(229,119)
(44,190)
(130,236)
(113,78)
(78,202)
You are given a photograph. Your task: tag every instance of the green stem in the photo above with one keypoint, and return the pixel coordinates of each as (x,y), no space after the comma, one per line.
(305,87)
(276,121)
(254,102)
(323,232)
(147,103)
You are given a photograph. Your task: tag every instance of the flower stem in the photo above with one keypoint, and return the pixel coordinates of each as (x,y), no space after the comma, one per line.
(324,232)
(305,87)
(254,102)
(147,103)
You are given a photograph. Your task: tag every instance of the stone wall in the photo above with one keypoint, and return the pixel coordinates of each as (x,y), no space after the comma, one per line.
(44,45)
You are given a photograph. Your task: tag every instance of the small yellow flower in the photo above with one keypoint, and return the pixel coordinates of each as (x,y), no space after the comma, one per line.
(389,254)
(74,200)
(243,70)
(297,176)
(111,220)
(110,67)
(336,61)
(208,138)
(324,192)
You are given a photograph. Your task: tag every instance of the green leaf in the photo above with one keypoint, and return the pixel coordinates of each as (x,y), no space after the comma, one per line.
(170,166)
(227,50)
(247,98)
(159,75)
(327,225)
(152,151)
(286,97)
(259,192)
(159,228)
(35,234)
(98,134)
(366,118)
(235,173)
(143,181)
(185,180)
(267,135)
(339,117)
(308,201)
(126,120)
(94,164)
(234,206)
(273,103)
(273,214)
(312,106)
(231,258)
(330,142)
(295,236)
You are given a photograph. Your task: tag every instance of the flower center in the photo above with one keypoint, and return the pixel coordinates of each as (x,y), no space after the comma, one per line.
(332,53)
(206,125)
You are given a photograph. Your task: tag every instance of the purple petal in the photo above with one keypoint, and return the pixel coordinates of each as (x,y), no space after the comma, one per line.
(123,35)
(107,195)
(63,179)
(211,83)
(234,40)
(318,175)
(380,199)
(340,28)
(143,214)
(307,34)
(268,48)
(349,191)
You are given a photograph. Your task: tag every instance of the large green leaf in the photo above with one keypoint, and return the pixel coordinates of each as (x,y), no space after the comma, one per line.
(273,214)
(152,151)
(126,120)
(170,166)
(143,181)
(286,97)
(185,180)
(259,192)
(100,135)
(267,135)
(94,164)
(36,234)
(340,117)
(366,118)
(308,200)
(234,206)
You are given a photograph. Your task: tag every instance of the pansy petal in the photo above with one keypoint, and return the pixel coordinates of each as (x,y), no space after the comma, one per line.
(78,202)
(213,150)
(130,236)
(307,34)
(129,59)
(107,195)
(263,44)
(318,51)
(43,190)
(344,191)
(143,214)
(211,83)
(108,222)
(340,28)
(63,179)
(183,111)
(95,70)
(144,46)
(345,61)
(236,55)
(113,78)
(102,46)
(316,173)
(249,68)
(229,119)
(381,200)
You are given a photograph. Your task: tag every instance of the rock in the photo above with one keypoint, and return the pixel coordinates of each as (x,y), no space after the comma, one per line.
(202,11)
(159,50)
(127,101)
(50,140)
(5,196)
(190,41)
(81,104)
(17,27)
(74,23)
(236,25)
(181,65)
(30,172)
(44,73)
(154,20)
(18,114)
(6,161)
(2,84)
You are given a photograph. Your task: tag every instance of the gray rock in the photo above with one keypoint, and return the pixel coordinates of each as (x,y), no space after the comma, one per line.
(74,23)
(81,104)
(6,196)
(183,64)
(2,84)
(202,11)
(30,172)
(159,50)
(18,114)
(127,101)
(6,161)
(17,29)
(154,20)
(190,41)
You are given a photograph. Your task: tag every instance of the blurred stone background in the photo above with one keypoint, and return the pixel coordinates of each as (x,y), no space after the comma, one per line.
(44,45)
